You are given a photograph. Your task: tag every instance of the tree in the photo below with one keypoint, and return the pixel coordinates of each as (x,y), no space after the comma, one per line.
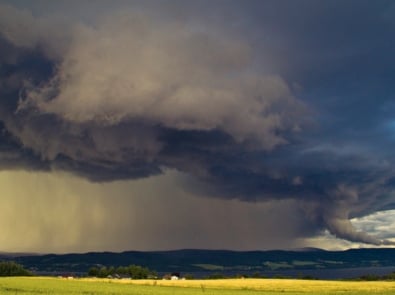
(11,268)
(122,270)
(138,272)
(93,272)
(103,272)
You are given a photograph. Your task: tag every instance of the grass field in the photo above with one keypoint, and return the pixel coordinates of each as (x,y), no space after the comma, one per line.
(36,285)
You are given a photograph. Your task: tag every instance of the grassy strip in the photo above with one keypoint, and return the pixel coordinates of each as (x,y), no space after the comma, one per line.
(35,286)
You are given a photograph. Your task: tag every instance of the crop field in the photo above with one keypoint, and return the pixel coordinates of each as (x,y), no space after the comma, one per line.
(41,285)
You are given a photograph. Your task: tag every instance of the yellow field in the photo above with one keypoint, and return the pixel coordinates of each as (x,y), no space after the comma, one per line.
(272,285)
(60,286)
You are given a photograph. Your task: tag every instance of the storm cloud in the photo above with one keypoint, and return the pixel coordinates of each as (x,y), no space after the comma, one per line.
(269,102)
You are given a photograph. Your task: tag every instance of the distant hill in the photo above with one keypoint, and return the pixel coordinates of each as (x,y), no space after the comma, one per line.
(6,255)
(194,261)
(307,249)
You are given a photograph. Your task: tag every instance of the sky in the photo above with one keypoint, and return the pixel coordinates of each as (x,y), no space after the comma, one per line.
(167,124)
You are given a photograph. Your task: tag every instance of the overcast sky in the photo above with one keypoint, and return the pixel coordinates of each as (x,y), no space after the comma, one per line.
(150,125)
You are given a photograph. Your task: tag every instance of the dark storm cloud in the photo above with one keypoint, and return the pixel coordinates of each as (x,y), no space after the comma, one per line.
(272,100)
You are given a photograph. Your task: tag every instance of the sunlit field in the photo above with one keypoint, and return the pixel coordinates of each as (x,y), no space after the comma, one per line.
(34,285)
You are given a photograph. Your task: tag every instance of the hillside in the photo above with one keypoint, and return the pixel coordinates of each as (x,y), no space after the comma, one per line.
(222,261)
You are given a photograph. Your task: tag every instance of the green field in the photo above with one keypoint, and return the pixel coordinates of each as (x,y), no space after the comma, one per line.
(36,285)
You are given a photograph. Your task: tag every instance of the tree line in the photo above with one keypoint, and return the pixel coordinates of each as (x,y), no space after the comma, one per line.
(12,269)
(372,277)
(131,271)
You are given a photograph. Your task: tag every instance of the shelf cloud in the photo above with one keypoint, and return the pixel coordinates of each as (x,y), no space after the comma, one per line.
(266,103)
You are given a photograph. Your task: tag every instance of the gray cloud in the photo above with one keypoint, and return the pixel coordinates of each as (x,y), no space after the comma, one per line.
(129,77)
(280,105)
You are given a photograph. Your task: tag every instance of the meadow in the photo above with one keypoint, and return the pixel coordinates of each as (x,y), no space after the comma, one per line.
(45,285)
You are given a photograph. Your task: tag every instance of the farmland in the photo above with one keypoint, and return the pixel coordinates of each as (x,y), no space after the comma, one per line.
(45,285)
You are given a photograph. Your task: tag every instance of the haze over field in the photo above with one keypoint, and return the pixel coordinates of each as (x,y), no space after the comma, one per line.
(155,125)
